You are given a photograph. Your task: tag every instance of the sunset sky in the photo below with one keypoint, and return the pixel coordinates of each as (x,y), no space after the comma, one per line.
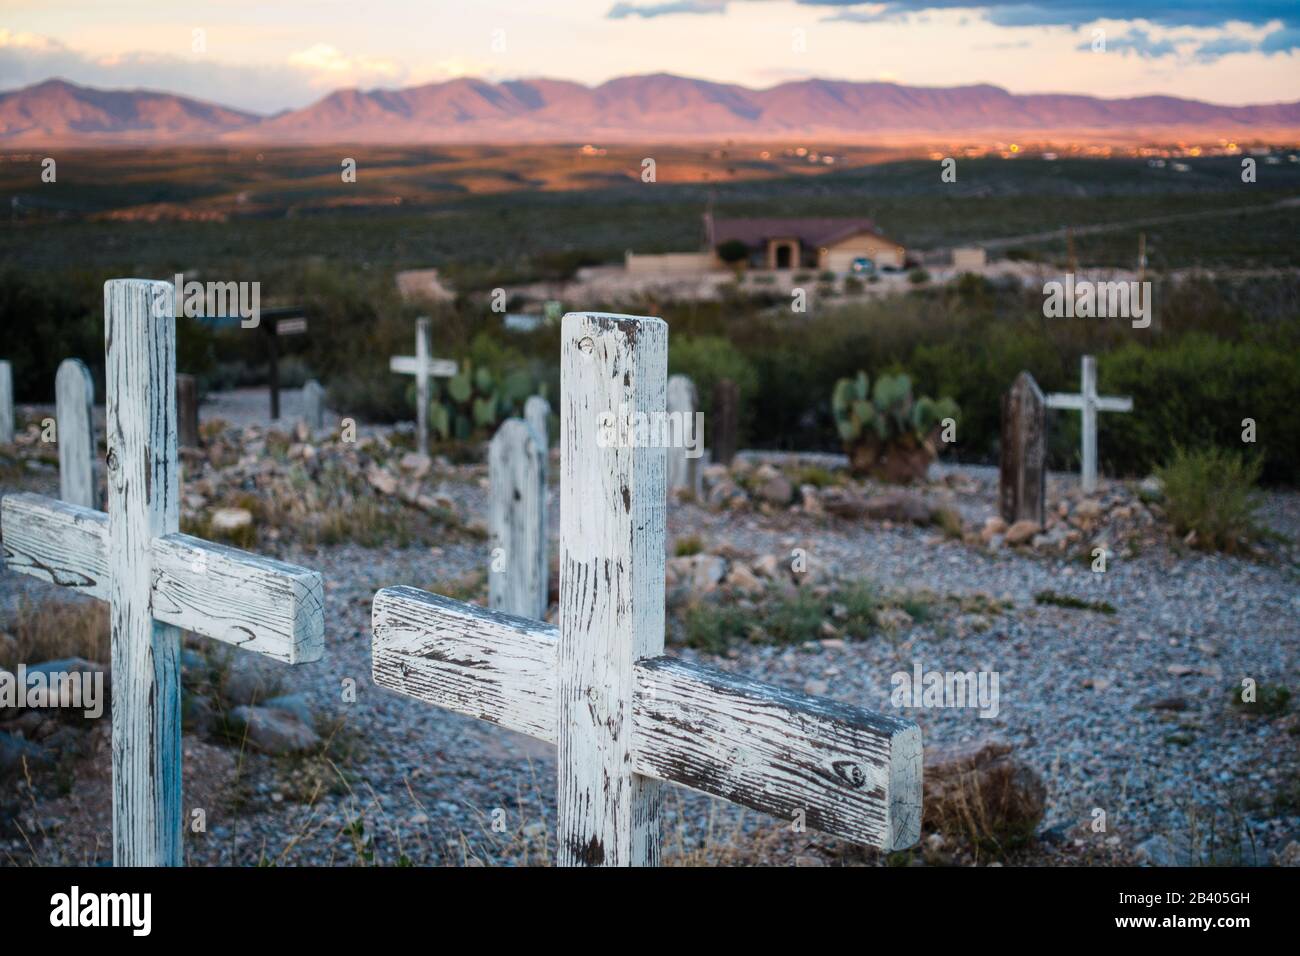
(269,56)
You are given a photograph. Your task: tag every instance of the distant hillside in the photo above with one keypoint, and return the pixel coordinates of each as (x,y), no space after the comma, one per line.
(656,107)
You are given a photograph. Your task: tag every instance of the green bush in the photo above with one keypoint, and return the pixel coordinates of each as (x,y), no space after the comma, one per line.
(1196,392)
(709,359)
(1212,492)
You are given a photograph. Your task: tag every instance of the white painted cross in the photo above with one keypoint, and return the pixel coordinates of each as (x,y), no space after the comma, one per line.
(74,416)
(1089,403)
(423,366)
(625,716)
(156,580)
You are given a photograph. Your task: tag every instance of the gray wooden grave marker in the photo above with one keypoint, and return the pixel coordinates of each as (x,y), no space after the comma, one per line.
(187,410)
(1022,475)
(74,414)
(626,717)
(313,405)
(6,404)
(683,472)
(157,581)
(424,367)
(537,412)
(1089,403)
(519,572)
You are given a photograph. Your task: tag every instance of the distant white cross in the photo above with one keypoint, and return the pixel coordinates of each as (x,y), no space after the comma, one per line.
(424,367)
(625,716)
(157,582)
(1090,403)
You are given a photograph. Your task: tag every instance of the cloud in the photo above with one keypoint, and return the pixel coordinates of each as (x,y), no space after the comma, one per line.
(1212,50)
(1023,13)
(333,66)
(668,8)
(1139,42)
(1281,41)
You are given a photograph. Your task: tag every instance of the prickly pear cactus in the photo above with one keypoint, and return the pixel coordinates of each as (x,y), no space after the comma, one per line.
(886,433)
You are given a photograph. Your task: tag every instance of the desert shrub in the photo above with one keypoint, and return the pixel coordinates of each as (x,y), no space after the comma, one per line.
(918,277)
(1211,492)
(707,360)
(1196,391)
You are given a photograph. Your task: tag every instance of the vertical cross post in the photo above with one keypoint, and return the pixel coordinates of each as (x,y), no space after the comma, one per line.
(423,352)
(6,403)
(74,413)
(140,336)
(683,400)
(518,577)
(612,511)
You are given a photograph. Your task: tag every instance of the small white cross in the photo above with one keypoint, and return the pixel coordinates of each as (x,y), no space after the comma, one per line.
(423,366)
(1089,403)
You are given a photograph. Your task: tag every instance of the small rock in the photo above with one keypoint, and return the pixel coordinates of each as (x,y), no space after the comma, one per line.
(893,618)
(992,527)
(1155,851)
(768,566)
(14,749)
(1022,532)
(817,688)
(296,704)
(742,579)
(774,488)
(415,464)
(229,520)
(273,731)
(382,481)
(1180,670)
(1290,855)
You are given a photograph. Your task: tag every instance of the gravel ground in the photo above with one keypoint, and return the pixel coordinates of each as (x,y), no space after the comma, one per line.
(408,782)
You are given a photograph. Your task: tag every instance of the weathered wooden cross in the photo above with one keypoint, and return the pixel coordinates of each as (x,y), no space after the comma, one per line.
(156,580)
(74,416)
(424,367)
(626,717)
(1089,403)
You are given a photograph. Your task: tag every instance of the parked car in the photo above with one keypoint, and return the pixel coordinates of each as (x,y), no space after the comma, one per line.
(862,266)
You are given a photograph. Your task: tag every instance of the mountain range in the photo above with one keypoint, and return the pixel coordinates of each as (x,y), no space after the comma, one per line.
(659,107)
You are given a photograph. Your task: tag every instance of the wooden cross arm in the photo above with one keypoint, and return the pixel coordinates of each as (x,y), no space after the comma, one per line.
(410,365)
(255,603)
(1122,404)
(852,773)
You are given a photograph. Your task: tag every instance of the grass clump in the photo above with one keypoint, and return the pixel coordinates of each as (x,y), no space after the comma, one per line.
(1271,700)
(685,547)
(55,629)
(1210,496)
(1073,603)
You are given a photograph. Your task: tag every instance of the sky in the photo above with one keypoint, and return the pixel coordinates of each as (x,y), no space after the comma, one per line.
(267,56)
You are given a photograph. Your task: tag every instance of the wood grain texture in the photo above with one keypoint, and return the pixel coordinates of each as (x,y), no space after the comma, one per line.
(255,603)
(854,773)
(6,404)
(517,520)
(482,663)
(74,411)
(682,399)
(143,478)
(612,512)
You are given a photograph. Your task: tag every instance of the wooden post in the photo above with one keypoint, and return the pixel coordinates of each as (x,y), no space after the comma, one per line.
(187,410)
(518,575)
(681,469)
(1023,471)
(74,404)
(537,412)
(140,334)
(273,371)
(6,404)
(726,421)
(313,405)
(612,512)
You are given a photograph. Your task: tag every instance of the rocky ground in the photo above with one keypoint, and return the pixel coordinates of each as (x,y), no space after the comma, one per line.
(1119,734)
